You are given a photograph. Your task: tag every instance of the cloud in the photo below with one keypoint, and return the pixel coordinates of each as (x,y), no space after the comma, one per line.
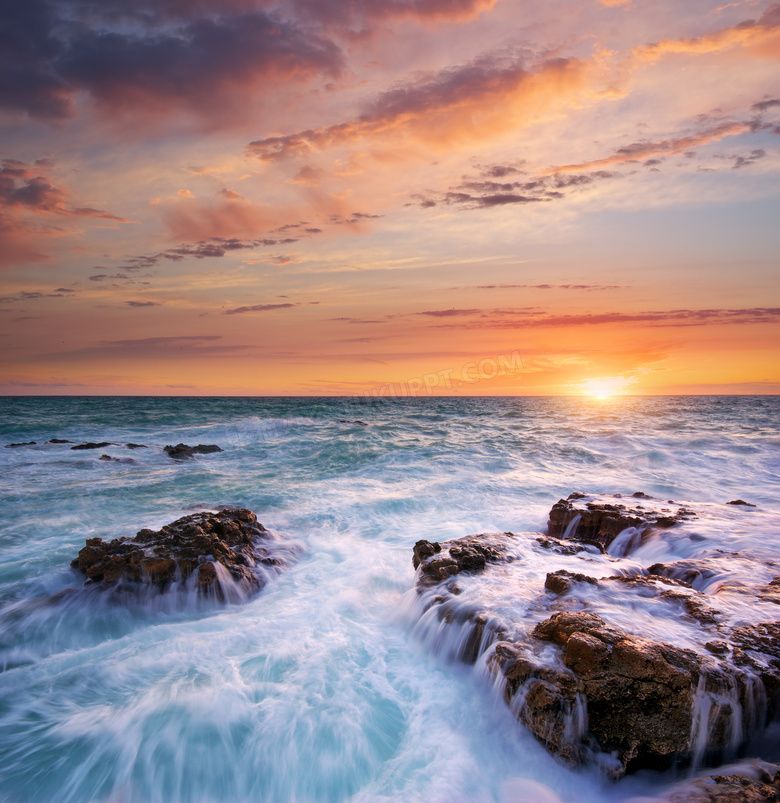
(648,149)
(486,97)
(338,12)
(258,308)
(508,319)
(479,193)
(25,187)
(221,217)
(29,203)
(760,37)
(142,304)
(448,313)
(151,348)
(171,55)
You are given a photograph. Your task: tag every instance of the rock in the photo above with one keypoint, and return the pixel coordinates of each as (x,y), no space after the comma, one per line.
(602,518)
(740,502)
(439,562)
(746,782)
(59,440)
(638,693)
(90,445)
(188,548)
(136,446)
(183,452)
(358,423)
(771,593)
(424,550)
(561,582)
(592,691)
(17,445)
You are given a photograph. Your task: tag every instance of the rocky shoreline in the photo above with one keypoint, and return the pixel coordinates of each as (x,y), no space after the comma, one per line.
(609,656)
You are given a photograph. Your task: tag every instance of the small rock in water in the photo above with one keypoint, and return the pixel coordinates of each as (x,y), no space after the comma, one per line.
(189,547)
(358,423)
(182,452)
(17,445)
(740,502)
(136,446)
(59,440)
(90,445)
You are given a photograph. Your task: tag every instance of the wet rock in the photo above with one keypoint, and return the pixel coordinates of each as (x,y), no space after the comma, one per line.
(638,694)
(136,446)
(17,445)
(771,593)
(740,502)
(356,422)
(186,551)
(424,550)
(183,452)
(593,692)
(91,445)
(59,440)
(438,562)
(601,518)
(747,782)
(562,581)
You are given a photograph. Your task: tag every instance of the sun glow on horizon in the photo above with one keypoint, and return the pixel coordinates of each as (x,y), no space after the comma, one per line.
(604,387)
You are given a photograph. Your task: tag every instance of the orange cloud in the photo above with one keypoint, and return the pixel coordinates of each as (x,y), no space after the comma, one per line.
(28,197)
(466,103)
(225,215)
(761,37)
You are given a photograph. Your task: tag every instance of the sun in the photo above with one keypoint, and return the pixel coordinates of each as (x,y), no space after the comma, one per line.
(604,388)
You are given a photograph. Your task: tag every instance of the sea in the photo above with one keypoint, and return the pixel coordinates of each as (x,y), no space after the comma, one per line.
(322,687)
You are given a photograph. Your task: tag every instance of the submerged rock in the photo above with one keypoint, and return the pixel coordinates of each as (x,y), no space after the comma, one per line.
(183,452)
(91,445)
(203,551)
(59,440)
(17,445)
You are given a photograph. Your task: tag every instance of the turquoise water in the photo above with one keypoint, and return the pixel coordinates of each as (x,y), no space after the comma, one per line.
(317,689)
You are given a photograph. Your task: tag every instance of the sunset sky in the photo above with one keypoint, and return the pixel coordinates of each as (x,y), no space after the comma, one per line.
(337,197)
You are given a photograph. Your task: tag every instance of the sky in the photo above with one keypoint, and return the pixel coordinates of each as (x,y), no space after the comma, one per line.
(389,197)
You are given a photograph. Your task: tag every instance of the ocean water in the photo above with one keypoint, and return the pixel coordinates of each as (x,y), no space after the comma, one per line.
(323,687)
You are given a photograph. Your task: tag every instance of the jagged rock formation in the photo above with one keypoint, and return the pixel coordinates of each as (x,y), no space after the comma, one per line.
(588,689)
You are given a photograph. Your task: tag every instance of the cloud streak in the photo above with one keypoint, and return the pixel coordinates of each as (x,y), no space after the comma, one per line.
(487,96)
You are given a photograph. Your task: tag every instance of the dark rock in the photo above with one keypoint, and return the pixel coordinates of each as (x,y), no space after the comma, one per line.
(59,440)
(603,518)
(358,423)
(183,452)
(234,539)
(424,550)
(439,562)
(740,502)
(718,647)
(17,445)
(90,445)
(136,446)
